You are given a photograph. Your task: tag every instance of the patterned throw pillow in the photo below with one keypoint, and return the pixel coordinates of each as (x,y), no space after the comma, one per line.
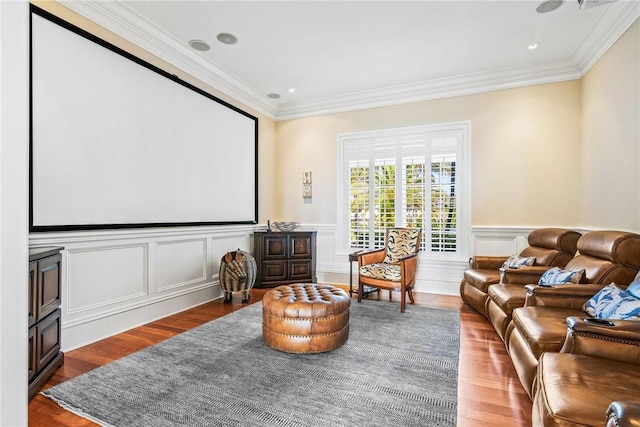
(401,242)
(634,288)
(612,302)
(516,261)
(557,276)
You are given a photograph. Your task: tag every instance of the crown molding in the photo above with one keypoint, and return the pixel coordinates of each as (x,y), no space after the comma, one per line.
(116,17)
(121,20)
(506,78)
(610,28)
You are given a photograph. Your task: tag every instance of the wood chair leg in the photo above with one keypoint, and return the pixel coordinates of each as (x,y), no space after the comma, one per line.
(403,300)
(360,289)
(390,295)
(410,292)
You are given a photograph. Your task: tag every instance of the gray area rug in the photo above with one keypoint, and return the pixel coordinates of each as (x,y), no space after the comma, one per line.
(395,370)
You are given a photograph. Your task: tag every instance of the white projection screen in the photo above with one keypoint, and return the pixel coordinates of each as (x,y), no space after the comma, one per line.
(118,143)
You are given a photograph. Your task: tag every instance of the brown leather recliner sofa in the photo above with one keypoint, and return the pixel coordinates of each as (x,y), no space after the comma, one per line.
(552,247)
(540,326)
(595,378)
(623,414)
(510,293)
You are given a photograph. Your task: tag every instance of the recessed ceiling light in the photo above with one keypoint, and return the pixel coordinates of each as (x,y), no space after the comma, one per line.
(273,95)
(227,38)
(291,89)
(199,45)
(532,46)
(549,5)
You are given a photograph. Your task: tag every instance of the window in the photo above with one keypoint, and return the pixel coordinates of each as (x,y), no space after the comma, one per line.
(407,177)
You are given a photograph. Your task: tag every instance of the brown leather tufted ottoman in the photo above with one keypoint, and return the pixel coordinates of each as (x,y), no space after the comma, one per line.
(305,318)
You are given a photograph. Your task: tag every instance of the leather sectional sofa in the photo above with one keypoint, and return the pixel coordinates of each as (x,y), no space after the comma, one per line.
(540,326)
(563,368)
(623,414)
(504,297)
(550,247)
(596,364)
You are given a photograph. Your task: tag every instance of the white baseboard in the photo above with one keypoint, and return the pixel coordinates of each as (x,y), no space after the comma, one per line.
(78,335)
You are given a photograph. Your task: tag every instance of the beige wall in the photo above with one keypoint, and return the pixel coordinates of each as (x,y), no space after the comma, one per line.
(525,148)
(610,151)
(267,128)
(562,154)
(541,155)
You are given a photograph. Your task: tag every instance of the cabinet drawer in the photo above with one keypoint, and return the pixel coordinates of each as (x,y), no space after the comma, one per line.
(275,247)
(273,271)
(33,370)
(300,246)
(47,339)
(48,288)
(44,315)
(300,269)
(33,292)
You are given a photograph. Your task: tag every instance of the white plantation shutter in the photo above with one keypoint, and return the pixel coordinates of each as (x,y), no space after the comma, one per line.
(403,178)
(359,174)
(443,188)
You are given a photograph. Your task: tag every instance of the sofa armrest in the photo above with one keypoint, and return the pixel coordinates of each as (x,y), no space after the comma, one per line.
(569,295)
(619,340)
(482,262)
(523,275)
(623,414)
(370,257)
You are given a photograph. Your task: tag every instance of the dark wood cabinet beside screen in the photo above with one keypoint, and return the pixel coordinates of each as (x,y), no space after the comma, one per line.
(285,257)
(44,281)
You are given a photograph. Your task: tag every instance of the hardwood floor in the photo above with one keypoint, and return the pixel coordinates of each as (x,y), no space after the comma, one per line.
(489,393)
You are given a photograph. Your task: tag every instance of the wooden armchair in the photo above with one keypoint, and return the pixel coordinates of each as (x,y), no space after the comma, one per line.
(392,267)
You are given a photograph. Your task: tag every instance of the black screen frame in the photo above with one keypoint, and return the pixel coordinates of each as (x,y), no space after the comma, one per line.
(87,227)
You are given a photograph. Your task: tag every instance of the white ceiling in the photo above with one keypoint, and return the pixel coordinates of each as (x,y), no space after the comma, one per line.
(345,55)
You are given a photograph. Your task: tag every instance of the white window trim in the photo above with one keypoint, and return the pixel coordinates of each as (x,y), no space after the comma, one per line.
(463,176)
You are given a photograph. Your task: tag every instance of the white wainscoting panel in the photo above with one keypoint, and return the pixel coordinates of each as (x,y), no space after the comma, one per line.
(180,263)
(440,276)
(105,275)
(115,280)
(325,246)
(495,245)
(76,335)
(220,245)
(494,241)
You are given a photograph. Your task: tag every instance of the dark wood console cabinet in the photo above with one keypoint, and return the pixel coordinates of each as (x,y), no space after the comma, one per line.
(285,257)
(45,278)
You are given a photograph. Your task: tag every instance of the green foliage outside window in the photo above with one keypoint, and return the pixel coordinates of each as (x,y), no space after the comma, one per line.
(414,199)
